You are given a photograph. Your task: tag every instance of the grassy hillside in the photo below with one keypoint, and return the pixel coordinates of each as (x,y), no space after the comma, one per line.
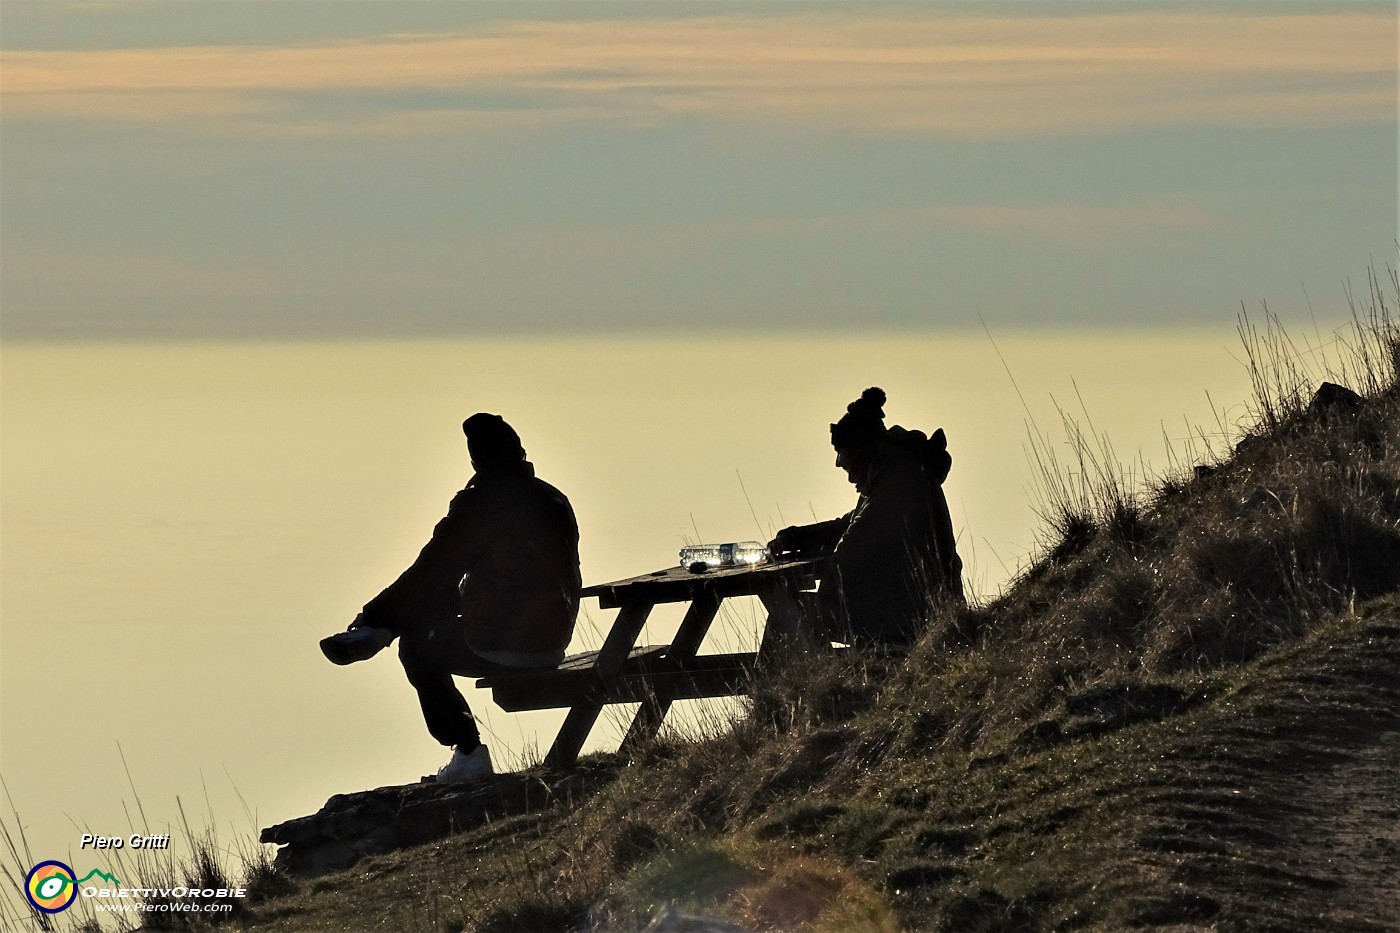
(1186,715)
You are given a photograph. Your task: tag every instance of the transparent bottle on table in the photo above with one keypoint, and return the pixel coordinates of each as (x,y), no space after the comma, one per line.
(732,554)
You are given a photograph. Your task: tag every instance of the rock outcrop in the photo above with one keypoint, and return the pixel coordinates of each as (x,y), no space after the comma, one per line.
(353,826)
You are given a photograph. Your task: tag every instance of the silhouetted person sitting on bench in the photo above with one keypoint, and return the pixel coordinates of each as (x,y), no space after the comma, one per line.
(495,590)
(893,556)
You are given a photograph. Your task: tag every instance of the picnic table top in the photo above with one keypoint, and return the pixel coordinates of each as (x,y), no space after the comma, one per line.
(677,584)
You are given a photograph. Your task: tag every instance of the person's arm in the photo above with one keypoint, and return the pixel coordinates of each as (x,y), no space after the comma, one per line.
(812,540)
(434,575)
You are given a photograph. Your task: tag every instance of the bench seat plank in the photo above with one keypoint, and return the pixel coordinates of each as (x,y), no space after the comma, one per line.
(648,673)
(585,661)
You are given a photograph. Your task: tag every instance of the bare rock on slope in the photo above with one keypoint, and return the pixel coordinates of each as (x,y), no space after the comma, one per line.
(351,827)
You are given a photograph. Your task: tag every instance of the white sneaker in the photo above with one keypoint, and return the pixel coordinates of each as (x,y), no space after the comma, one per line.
(463,769)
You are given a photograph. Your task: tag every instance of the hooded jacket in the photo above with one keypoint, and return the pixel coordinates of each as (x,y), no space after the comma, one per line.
(894,553)
(882,568)
(504,558)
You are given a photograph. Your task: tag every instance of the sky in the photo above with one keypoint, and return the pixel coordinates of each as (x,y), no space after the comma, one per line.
(366,170)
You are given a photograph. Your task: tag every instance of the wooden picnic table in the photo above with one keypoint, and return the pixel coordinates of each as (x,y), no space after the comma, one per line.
(657,676)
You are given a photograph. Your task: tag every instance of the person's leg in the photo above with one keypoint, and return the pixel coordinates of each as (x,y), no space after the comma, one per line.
(430,661)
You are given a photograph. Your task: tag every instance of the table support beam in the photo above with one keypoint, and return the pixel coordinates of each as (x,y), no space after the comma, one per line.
(787,626)
(684,646)
(574,732)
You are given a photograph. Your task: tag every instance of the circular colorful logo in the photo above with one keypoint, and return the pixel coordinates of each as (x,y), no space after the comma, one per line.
(51,886)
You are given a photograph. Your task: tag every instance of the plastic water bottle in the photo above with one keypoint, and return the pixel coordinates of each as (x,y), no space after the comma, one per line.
(734,554)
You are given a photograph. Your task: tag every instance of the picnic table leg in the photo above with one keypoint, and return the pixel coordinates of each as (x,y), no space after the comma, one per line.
(618,645)
(683,647)
(787,625)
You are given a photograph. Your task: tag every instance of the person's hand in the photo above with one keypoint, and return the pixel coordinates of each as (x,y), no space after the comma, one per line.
(782,542)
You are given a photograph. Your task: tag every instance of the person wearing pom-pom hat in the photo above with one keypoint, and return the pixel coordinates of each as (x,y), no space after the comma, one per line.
(894,555)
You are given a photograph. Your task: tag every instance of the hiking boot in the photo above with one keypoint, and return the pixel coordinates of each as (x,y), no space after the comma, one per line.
(465,768)
(356,645)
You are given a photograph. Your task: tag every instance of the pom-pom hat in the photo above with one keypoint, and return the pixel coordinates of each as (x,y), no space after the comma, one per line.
(863,424)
